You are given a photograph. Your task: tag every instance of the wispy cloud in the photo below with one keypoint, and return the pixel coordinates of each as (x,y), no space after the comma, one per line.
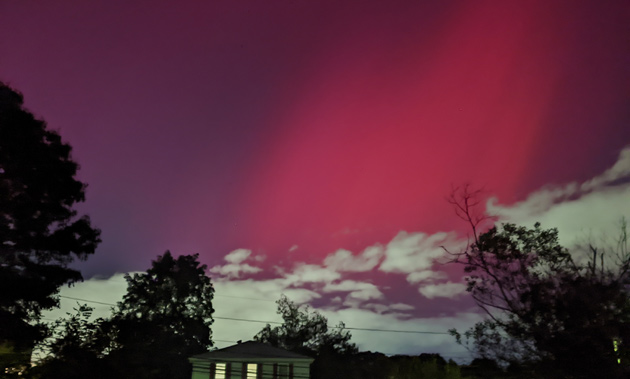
(425,276)
(414,252)
(358,292)
(448,289)
(236,265)
(344,260)
(578,210)
(309,273)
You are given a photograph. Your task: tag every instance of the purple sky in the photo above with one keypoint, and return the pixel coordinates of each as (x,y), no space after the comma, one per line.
(307,147)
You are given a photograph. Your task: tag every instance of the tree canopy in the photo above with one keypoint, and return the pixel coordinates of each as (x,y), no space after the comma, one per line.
(75,348)
(164,318)
(547,310)
(40,232)
(306,332)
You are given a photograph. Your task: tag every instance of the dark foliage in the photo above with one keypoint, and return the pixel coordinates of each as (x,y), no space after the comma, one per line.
(40,233)
(76,348)
(164,318)
(379,366)
(306,332)
(548,315)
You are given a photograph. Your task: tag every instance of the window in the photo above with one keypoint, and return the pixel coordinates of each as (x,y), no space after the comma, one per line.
(220,371)
(252,371)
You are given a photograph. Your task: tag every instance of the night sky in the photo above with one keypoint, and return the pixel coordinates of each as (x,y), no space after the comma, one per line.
(307,147)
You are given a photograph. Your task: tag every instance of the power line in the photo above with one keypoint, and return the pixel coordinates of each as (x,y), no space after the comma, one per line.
(280,323)
(89,301)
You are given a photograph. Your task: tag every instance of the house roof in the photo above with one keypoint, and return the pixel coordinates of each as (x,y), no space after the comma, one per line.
(251,350)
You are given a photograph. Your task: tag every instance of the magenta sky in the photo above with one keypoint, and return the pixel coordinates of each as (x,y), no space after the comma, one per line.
(297,128)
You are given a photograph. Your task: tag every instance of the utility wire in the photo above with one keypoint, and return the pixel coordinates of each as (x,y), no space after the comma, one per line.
(89,301)
(280,323)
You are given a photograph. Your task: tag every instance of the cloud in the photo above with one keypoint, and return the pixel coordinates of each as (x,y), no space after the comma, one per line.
(235,270)
(309,273)
(344,260)
(425,276)
(378,308)
(237,256)
(293,248)
(401,307)
(592,208)
(620,170)
(413,252)
(268,290)
(381,308)
(358,291)
(236,264)
(448,289)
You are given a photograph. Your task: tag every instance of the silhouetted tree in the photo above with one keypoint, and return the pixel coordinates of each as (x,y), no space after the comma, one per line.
(40,233)
(367,365)
(482,368)
(306,332)
(545,309)
(164,318)
(427,366)
(76,348)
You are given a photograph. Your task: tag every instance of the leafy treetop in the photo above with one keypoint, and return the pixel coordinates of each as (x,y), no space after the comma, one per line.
(306,332)
(545,309)
(40,233)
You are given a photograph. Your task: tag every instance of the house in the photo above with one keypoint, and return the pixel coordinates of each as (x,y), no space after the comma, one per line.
(250,360)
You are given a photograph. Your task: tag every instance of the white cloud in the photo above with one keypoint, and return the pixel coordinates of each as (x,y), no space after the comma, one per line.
(235,270)
(412,252)
(425,276)
(402,307)
(347,286)
(358,291)
(592,208)
(309,273)
(236,264)
(237,256)
(293,248)
(448,289)
(620,170)
(378,308)
(344,260)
